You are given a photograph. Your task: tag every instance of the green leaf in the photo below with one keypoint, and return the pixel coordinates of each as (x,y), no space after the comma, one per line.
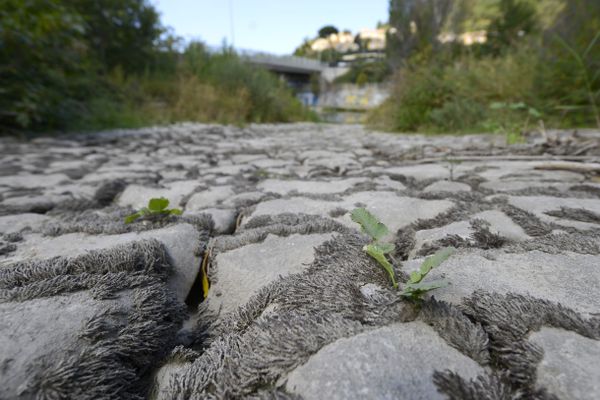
(175,211)
(130,218)
(369,223)
(415,277)
(158,204)
(517,106)
(427,286)
(379,256)
(435,260)
(415,290)
(534,113)
(384,247)
(497,105)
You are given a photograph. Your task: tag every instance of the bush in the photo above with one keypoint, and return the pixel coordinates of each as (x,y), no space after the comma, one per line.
(435,97)
(41,64)
(64,65)
(366,72)
(541,62)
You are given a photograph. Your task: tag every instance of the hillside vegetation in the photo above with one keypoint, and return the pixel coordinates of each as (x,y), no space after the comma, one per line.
(80,65)
(540,66)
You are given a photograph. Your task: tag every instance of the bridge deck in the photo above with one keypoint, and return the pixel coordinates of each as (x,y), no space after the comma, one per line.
(288,64)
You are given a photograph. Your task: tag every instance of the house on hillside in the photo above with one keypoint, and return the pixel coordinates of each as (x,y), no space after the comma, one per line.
(341,42)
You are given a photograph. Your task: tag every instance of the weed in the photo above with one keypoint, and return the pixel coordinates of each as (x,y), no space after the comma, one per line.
(513,131)
(415,287)
(376,230)
(157,208)
(452,163)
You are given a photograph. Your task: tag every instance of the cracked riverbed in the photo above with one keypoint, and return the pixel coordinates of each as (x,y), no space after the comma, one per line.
(93,308)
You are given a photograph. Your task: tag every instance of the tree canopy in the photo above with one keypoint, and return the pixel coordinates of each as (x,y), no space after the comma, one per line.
(327,30)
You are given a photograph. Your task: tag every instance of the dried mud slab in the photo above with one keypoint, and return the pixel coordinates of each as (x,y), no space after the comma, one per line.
(94,308)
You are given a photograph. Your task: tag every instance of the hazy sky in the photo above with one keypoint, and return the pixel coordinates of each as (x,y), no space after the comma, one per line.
(275,26)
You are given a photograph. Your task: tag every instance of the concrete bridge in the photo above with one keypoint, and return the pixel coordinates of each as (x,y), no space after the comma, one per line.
(297,71)
(286,64)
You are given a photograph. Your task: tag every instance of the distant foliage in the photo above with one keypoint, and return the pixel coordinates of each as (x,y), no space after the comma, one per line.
(541,55)
(366,72)
(80,65)
(44,64)
(416,23)
(517,18)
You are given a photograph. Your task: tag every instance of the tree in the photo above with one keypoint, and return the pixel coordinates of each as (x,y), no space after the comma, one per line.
(42,60)
(416,25)
(304,50)
(570,61)
(120,32)
(54,55)
(327,30)
(517,18)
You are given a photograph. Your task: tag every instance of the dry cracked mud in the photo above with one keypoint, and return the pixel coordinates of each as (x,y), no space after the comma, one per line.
(92,308)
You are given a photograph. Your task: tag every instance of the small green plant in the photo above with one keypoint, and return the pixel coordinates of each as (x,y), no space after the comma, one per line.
(376,230)
(415,287)
(513,131)
(452,163)
(378,250)
(157,208)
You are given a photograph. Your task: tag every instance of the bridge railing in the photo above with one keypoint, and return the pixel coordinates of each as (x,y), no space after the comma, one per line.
(290,61)
(267,59)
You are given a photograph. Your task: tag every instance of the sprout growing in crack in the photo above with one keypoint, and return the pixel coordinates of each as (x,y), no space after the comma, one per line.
(157,208)
(378,250)
(377,231)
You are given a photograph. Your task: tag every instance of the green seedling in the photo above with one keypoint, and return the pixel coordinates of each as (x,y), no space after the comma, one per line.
(513,132)
(415,287)
(376,230)
(157,208)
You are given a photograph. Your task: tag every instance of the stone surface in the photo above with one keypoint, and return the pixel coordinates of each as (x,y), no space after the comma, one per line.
(33,181)
(422,172)
(569,368)
(569,279)
(253,265)
(208,198)
(224,219)
(137,196)
(180,241)
(316,316)
(20,222)
(448,186)
(396,211)
(539,205)
(501,224)
(51,328)
(385,363)
(314,187)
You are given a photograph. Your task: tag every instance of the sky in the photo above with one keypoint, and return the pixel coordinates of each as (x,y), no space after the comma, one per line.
(273,26)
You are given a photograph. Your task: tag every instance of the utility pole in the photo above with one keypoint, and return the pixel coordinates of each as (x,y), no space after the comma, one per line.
(231,26)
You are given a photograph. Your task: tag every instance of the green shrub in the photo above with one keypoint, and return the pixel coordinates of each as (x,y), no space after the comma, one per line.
(543,55)
(67,65)
(366,72)
(457,115)
(415,94)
